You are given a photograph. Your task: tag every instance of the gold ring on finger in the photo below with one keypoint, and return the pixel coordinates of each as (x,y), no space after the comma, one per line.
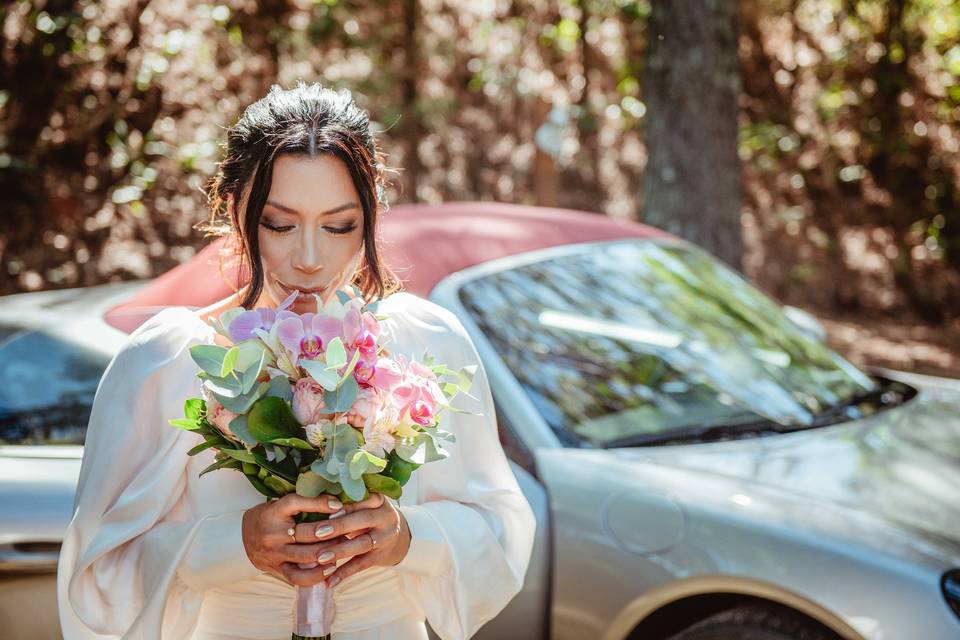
(292,533)
(373,540)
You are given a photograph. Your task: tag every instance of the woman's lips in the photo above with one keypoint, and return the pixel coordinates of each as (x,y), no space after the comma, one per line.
(304,293)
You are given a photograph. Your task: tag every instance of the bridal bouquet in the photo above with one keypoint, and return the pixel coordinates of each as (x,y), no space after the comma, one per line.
(314,403)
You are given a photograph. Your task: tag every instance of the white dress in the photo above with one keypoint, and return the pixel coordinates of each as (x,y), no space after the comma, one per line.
(154,552)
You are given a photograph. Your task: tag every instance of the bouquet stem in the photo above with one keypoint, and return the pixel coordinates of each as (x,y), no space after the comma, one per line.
(314,614)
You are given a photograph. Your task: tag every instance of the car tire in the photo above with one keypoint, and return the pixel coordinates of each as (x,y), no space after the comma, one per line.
(754,623)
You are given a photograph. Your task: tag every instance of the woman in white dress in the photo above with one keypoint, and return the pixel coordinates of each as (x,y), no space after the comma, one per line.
(155,552)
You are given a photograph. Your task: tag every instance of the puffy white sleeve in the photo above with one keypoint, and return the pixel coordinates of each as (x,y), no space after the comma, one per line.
(472,529)
(134,561)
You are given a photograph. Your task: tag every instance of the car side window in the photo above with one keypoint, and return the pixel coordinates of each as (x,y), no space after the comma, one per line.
(47,386)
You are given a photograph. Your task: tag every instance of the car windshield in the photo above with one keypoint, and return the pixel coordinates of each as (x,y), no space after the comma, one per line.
(47,386)
(617,340)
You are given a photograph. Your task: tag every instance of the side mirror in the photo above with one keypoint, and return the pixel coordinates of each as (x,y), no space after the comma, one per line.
(806,322)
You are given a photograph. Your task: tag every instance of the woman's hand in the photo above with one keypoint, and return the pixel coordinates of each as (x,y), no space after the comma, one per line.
(353,534)
(270,546)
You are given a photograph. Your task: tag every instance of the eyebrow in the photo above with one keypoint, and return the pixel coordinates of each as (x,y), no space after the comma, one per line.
(343,207)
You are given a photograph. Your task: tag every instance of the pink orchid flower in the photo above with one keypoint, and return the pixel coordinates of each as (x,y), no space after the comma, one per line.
(307,335)
(243,326)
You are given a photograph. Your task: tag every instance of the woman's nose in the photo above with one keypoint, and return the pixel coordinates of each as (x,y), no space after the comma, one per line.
(307,256)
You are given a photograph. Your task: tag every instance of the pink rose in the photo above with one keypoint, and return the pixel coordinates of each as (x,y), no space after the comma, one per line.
(220,417)
(307,400)
(368,403)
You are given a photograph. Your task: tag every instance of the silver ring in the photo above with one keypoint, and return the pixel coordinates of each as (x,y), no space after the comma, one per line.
(292,533)
(372,539)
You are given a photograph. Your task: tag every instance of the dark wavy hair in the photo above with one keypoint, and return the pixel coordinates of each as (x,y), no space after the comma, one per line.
(308,120)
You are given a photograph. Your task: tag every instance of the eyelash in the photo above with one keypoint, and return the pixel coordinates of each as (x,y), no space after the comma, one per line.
(333,230)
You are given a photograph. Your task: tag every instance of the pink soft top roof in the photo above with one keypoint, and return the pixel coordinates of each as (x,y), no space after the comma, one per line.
(422,243)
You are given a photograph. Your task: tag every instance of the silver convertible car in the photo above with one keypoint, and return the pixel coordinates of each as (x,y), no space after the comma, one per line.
(702,466)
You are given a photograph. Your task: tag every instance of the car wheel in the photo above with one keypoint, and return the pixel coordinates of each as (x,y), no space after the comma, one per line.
(754,623)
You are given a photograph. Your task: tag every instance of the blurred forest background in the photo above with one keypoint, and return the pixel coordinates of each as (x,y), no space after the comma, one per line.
(844,131)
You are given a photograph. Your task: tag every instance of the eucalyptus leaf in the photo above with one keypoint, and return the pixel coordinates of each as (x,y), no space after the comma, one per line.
(318,371)
(243,402)
(229,361)
(280,387)
(335,354)
(353,487)
(252,351)
(363,461)
(311,484)
(239,428)
(223,387)
(343,397)
(209,357)
(350,367)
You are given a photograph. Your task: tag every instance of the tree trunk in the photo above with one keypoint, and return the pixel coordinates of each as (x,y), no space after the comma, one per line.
(690,84)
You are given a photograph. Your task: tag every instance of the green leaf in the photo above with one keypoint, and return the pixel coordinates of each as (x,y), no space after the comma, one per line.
(239,454)
(353,487)
(280,387)
(186,425)
(311,485)
(297,443)
(343,397)
(350,367)
(226,463)
(243,401)
(248,377)
(250,468)
(326,379)
(252,351)
(278,485)
(399,469)
(466,376)
(239,428)
(363,461)
(271,418)
(209,357)
(229,361)
(287,470)
(261,487)
(194,408)
(335,354)
(202,447)
(382,484)
(222,387)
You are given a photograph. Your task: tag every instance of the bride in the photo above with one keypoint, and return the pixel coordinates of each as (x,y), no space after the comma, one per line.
(155,552)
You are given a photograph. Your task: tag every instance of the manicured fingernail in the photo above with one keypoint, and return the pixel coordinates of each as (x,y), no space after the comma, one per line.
(329,570)
(337,514)
(324,530)
(325,556)
(335,504)
(333,581)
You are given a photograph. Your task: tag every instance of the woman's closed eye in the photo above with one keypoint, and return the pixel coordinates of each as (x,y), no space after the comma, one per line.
(289,227)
